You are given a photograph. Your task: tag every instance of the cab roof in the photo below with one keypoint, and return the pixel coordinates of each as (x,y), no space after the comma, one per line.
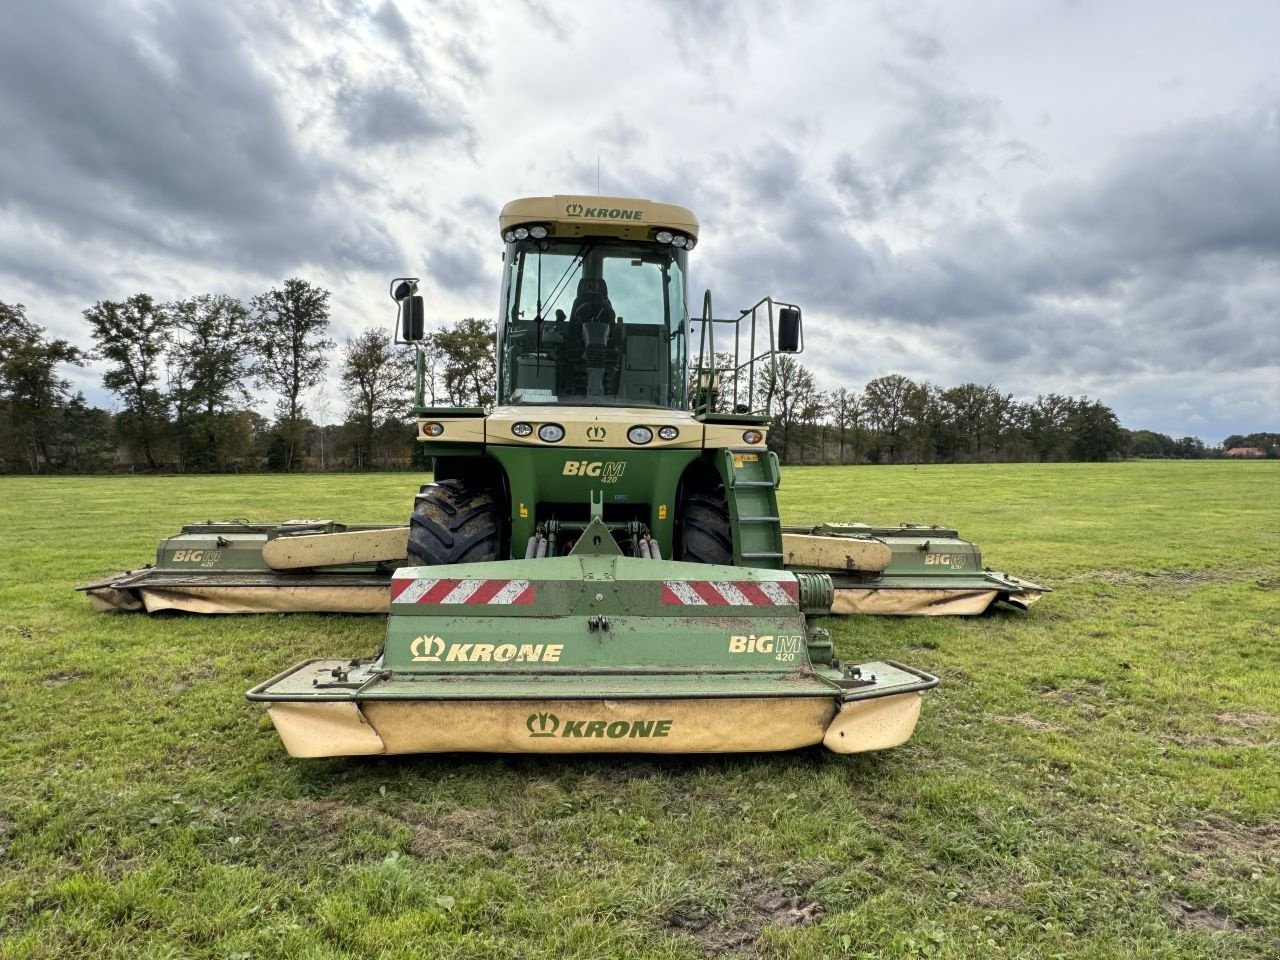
(626,218)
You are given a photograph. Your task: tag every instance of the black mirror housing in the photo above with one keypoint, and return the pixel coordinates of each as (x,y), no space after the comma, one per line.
(412,319)
(790,337)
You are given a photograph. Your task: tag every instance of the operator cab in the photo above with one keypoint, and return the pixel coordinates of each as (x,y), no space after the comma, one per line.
(594,303)
(593,322)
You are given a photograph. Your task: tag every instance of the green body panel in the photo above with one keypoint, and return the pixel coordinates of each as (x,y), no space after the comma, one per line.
(340,680)
(925,555)
(639,484)
(596,613)
(593,625)
(751,479)
(237,547)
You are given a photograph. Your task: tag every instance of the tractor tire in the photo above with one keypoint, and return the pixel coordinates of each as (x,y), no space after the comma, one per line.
(706,533)
(454,523)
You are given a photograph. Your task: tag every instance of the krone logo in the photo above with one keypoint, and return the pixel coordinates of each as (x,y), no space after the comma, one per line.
(596,434)
(573,210)
(427,649)
(542,724)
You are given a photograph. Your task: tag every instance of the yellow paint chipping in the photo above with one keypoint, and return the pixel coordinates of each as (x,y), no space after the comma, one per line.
(836,553)
(336,549)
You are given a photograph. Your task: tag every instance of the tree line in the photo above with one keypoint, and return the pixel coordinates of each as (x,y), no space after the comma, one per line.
(181,374)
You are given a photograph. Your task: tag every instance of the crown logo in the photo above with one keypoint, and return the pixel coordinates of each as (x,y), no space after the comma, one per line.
(427,649)
(542,724)
(596,433)
(573,210)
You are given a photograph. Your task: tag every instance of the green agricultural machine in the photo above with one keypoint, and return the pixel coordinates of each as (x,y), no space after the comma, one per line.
(599,563)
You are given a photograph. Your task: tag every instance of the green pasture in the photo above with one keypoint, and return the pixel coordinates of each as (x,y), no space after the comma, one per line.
(1099,777)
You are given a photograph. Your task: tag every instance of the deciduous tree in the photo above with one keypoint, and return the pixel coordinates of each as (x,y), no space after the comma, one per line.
(32,393)
(291,353)
(132,336)
(377,379)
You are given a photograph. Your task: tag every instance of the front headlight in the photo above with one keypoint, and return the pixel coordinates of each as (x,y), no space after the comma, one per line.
(639,435)
(668,433)
(521,429)
(551,433)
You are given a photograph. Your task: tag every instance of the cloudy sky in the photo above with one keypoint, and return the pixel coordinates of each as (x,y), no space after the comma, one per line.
(1081,197)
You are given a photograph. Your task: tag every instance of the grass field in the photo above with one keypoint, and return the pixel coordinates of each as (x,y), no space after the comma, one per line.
(1096,778)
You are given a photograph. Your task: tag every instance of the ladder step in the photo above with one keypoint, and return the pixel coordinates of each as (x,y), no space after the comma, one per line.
(753,483)
(757,519)
(762,556)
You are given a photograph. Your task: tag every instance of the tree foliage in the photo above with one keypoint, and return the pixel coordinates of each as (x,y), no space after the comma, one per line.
(31,392)
(291,351)
(377,380)
(132,336)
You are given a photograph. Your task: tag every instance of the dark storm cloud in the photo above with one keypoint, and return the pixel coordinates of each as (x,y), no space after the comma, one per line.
(156,130)
(459,269)
(1163,266)
(936,135)
(396,28)
(1208,186)
(379,115)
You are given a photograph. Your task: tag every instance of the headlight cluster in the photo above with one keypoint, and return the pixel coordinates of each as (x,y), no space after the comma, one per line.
(640,435)
(675,239)
(752,436)
(537,231)
(547,433)
(433,429)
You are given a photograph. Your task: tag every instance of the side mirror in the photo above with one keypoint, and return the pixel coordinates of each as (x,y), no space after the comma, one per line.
(790,339)
(412,325)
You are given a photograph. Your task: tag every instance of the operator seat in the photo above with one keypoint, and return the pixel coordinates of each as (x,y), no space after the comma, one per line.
(591,357)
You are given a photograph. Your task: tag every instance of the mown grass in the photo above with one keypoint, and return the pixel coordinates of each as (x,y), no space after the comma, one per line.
(1096,778)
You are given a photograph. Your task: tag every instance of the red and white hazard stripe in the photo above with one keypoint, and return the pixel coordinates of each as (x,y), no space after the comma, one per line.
(730,593)
(488,592)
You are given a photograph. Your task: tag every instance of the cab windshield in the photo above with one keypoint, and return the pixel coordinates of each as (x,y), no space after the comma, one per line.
(593,322)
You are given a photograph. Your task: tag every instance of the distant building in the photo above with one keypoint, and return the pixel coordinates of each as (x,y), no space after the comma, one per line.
(1245,452)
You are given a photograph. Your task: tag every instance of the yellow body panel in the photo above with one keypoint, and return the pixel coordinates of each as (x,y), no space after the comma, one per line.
(509,726)
(336,549)
(626,218)
(603,427)
(835,553)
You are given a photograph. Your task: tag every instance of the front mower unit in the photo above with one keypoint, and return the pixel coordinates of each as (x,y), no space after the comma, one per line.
(328,567)
(908,570)
(238,567)
(598,653)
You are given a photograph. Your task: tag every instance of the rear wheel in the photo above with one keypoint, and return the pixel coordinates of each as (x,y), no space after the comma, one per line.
(706,533)
(454,523)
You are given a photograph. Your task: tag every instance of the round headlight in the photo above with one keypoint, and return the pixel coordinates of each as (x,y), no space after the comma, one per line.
(688,244)
(663,236)
(521,429)
(509,236)
(752,436)
(551,433)
(433,429)
(538,233)
(522,233)
(679,241)
(668,433)
(639,435)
